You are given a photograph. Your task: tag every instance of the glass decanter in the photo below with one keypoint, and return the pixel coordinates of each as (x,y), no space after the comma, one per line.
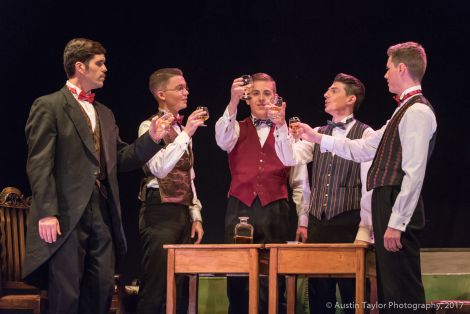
(243,233)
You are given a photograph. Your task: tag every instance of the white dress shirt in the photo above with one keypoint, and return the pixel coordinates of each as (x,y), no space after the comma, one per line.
(87,106)
(292,152)
(227,131)
(165,160)
(415,129)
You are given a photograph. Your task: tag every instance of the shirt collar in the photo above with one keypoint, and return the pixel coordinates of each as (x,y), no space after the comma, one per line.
(412,88)
(78,89)
(346,118)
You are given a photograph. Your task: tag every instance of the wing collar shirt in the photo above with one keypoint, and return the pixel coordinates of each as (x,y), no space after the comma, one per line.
(88,107)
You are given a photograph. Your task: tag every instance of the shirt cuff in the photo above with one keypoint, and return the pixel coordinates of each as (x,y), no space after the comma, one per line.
(364,233)
(398,222)
(303,220)
(228,116)
(327,143)
(195,214)
(281,132)
(182,139)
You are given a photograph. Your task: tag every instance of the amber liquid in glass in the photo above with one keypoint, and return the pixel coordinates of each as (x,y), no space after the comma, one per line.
(242,239)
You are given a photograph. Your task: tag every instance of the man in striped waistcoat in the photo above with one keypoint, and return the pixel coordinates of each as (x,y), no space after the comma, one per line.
(339,210)
(400,151)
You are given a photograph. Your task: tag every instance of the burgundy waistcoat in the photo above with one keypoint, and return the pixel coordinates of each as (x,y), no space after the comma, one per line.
(256,171)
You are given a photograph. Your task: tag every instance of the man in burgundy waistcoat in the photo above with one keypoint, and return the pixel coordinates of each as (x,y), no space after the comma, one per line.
(258,188)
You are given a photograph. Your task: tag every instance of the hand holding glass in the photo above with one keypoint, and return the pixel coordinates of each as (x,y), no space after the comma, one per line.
(165,121)
(276,101)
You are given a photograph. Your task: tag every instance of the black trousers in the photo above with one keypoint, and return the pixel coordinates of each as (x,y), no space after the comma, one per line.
(398,273)
(81,272)
(270,225)
(339,229)
(161,224)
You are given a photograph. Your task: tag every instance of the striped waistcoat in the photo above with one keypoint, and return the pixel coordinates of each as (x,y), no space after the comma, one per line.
(386,168)
(336,182)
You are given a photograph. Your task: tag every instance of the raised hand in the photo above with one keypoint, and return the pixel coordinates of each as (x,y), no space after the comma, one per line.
(277,114)
(236,92)
(194,121)
(159,126)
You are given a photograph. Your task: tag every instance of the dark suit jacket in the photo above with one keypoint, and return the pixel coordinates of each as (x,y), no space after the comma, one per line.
(62,165)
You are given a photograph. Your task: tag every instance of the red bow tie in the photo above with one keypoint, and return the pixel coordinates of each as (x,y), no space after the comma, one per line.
(83,96)
(406,96)
(179,120)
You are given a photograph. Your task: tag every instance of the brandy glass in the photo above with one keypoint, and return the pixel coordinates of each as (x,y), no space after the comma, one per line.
(204,116)
(165,121)
(276,101)
(243,232)
(247,80)
(293,126)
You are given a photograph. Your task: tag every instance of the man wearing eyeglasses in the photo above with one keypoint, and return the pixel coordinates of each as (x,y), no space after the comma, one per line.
(171,211)
(258,188)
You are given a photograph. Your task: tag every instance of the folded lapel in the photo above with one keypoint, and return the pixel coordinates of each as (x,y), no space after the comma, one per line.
(76,115)
(107,127)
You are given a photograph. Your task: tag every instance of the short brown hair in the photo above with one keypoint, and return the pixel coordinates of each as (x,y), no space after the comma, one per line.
(264,77)
(159,78)
(80,50)
(352,86)
(412,55)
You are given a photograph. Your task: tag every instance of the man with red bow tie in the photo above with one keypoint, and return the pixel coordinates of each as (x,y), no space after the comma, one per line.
(74,154)
(171,210)
(400,151)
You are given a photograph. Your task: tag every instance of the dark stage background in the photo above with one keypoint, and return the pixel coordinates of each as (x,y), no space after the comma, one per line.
(303,45)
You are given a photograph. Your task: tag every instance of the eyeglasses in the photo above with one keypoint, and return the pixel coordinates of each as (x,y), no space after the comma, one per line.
(179,88)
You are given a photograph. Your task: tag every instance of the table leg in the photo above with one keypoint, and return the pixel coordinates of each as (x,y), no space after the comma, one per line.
(291,293)
(253,282)
(360,280)
(273,292)
(193,293)
(170,283)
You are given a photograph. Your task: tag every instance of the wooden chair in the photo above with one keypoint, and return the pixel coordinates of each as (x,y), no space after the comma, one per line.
(13,216)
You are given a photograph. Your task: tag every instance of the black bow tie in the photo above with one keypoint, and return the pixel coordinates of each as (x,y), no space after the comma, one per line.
(258,122)
(340,125)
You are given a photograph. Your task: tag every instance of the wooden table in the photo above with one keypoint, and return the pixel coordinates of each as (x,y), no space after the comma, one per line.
(332,260)
(192,260)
